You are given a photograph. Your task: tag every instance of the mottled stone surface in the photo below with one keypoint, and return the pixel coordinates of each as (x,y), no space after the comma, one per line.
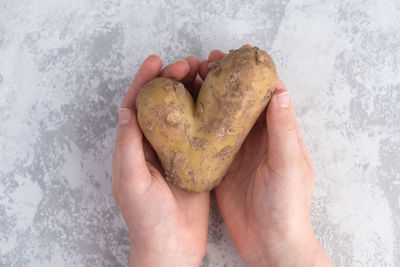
(64,68)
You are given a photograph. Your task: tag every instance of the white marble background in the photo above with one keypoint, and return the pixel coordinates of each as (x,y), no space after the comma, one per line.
(65,65)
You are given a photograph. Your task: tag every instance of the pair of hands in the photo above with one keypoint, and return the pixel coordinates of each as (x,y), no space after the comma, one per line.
(264,198)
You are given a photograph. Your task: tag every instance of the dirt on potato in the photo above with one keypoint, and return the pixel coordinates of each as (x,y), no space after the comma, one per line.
(197,142)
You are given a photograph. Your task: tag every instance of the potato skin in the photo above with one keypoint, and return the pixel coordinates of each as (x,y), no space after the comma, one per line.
(196,143)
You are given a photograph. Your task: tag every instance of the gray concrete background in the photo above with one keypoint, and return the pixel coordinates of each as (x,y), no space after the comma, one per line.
(64,68)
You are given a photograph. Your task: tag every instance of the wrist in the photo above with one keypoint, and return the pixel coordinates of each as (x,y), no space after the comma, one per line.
(305,251)
(142,257)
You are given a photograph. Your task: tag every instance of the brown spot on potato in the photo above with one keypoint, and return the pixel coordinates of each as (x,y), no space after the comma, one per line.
(249,88)
(179,89)
(217,98)
(196,143)
(215,68)
(188,142)
(177,163)
(260,56)
(234,51)
(234,80)
(212,65)
(150,125)
(173,118)
(225,151)
(179,159)
(193,179)
(200,110)
(168,88)
(231,131)
(267,97)
(220,132)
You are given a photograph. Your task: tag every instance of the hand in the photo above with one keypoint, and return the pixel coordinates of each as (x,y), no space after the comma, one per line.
(167,225)
(265,196)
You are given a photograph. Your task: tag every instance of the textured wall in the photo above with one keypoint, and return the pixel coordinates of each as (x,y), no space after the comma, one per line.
(65,65)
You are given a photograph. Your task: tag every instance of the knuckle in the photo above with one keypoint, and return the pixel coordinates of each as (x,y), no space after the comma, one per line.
(296,166)
(287,125)
(123,145)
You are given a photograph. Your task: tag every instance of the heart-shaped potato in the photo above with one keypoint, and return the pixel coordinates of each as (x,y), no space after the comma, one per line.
(196,143)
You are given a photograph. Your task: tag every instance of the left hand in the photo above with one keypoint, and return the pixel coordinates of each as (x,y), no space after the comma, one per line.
(167,225)
(265,195)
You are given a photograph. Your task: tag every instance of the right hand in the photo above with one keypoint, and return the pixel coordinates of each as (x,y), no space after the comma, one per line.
(167,225)
(265,196)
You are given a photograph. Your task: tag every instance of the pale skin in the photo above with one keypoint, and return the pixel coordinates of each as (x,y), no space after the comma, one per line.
(264,198)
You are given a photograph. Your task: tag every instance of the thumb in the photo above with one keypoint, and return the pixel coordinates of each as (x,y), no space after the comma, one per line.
(130,158)
(283,147)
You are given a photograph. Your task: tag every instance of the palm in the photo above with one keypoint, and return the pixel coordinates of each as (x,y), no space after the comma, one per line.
(250,196)
(171,206)
(265,195)
(164,208)
(243,188)
(161,217)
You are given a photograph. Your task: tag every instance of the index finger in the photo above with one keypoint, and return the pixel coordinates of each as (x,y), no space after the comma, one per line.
(214,56)
(149,70)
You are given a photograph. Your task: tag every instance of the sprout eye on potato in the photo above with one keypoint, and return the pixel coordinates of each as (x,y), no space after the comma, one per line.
(197,142)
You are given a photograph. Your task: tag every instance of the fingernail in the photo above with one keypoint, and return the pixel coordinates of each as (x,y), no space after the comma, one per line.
(124,116)
(283,99)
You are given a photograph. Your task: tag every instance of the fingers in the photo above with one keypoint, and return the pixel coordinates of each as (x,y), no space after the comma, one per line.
(177,70)
(128,156)
(128,147)
(214,56)
(129,137)
(300,139)
(203,69)
(283,147)
(149,70)
(196,87)
(191,82)
(130,160)
(279,85)
(194,64)
(246,45)
(129,164)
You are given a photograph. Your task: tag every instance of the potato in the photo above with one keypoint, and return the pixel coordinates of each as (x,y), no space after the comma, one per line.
(197,142)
